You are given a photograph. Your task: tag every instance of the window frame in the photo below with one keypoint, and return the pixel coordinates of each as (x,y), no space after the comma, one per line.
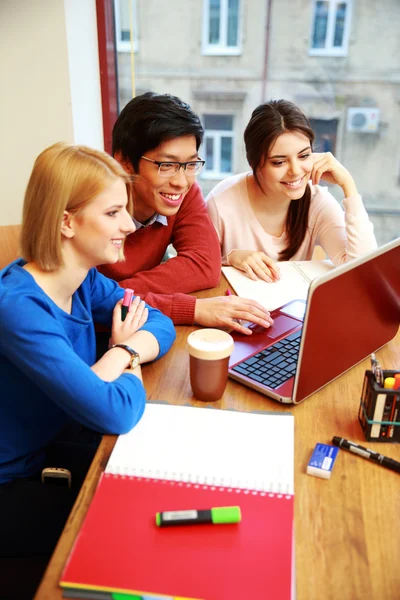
(216,135)
(123,45)
(329,49)
(221,49)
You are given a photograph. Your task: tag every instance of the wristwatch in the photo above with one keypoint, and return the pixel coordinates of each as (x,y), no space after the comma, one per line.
(135,358)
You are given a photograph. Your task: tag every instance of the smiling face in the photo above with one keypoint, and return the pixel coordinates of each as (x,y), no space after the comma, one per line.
(98,230)
(153,193)
(287,167)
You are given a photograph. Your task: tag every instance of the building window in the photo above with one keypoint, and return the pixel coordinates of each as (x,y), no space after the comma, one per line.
(330,27)
(125,20)
(217,148)
(221,24)
(325,131)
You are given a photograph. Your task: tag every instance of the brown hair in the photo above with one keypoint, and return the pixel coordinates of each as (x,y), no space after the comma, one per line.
(64,178)
(267,123)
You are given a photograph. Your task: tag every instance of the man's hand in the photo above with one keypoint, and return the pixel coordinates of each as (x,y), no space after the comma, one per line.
(256,265)
(228,311)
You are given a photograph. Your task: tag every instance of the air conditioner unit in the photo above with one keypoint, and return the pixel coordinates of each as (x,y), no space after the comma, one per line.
(363,120)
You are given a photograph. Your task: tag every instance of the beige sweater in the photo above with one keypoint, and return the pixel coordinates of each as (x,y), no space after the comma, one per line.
(343,234)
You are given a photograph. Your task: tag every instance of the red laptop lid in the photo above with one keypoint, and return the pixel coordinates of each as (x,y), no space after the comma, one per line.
(351,312)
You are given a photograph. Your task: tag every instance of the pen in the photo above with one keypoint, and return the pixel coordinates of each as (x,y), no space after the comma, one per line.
(126,303)
(376,370)
(217,516)
(389,463)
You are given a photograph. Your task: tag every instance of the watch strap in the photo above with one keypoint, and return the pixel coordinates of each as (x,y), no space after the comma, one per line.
(135,357)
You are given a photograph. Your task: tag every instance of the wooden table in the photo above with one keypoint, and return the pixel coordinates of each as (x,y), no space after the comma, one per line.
(346,529)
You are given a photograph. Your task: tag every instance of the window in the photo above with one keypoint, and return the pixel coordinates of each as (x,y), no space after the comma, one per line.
(325,134)
(218,146)
(125,20)
(221,27)
(330,27)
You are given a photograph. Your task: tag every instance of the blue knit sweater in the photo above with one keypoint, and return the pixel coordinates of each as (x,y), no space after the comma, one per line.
(45,375)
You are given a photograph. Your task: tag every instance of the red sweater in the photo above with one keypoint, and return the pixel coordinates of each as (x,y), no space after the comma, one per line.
(197,265)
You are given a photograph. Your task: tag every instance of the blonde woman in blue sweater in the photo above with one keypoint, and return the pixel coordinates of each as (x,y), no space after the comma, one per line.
(75,218)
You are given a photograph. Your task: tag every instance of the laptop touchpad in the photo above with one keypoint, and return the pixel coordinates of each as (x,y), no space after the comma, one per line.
(281,325)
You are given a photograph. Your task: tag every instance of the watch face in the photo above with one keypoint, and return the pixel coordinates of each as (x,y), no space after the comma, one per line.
(135,362)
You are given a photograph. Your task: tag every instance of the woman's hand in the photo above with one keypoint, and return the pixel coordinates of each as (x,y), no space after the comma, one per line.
(256,265)
(328,168)
(136,317)
(229,311)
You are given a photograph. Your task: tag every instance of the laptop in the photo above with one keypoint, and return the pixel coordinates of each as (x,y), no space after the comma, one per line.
(350,312)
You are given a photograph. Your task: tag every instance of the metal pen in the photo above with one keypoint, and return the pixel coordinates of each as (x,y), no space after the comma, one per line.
(389,463)
(376,370)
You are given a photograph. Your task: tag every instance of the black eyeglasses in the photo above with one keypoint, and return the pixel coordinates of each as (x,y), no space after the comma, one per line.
(167,169)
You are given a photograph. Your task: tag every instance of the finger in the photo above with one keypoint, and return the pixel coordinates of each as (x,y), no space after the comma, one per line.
(249,312)
(272,266)
(263,321)
(316,175)
(135,302)
(268,267)
(262,272)
(136,316)
(239,305)
(249,272)
(144,318)
(235,325)
(133,308)
(322,166)
(117,308)
(316,156)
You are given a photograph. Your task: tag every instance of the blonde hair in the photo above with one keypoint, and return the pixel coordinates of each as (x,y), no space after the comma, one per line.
(64,178)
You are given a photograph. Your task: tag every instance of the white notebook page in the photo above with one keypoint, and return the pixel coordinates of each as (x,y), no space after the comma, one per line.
(218,447)
(293,285)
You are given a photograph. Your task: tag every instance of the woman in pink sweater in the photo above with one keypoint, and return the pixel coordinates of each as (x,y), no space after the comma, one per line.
(279,211)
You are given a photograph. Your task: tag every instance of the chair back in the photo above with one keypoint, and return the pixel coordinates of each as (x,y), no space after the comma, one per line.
(9,243)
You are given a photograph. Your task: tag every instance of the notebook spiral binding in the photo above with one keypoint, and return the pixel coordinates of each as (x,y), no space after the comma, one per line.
(212,483)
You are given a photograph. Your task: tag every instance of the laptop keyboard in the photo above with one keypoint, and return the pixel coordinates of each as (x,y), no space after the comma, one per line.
(273,365)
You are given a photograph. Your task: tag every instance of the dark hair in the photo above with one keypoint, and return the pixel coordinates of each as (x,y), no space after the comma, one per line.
(267,123)
(151,119)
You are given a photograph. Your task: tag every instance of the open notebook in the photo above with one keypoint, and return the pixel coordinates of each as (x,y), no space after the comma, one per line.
(180,458)
(296,277)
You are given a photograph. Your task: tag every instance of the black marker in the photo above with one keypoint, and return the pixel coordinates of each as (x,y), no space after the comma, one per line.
(389,463)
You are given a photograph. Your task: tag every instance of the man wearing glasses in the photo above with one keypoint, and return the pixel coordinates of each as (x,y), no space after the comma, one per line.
(156,138)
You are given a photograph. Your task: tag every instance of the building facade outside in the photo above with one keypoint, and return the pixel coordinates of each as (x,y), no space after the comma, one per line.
(339,60)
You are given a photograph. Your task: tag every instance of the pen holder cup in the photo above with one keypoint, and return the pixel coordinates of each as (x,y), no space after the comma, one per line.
(379,412)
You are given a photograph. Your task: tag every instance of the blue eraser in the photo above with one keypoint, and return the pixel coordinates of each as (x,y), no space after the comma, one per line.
(322,460)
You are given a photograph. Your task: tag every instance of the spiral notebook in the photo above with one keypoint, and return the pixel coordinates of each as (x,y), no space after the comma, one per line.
(180,458)
(295,280)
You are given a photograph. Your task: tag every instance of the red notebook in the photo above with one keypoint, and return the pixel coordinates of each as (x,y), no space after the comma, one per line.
(120,548)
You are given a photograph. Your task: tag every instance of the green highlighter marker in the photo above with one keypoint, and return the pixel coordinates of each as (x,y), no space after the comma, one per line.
(217,516)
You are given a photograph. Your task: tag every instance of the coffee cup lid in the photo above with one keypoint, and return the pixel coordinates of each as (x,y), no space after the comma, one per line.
(210,344)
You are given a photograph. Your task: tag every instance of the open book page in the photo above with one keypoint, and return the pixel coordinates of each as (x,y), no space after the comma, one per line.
(217,447)
(296,277)
(313,268)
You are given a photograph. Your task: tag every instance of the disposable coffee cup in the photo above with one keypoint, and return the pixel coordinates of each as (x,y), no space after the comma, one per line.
(209,352)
